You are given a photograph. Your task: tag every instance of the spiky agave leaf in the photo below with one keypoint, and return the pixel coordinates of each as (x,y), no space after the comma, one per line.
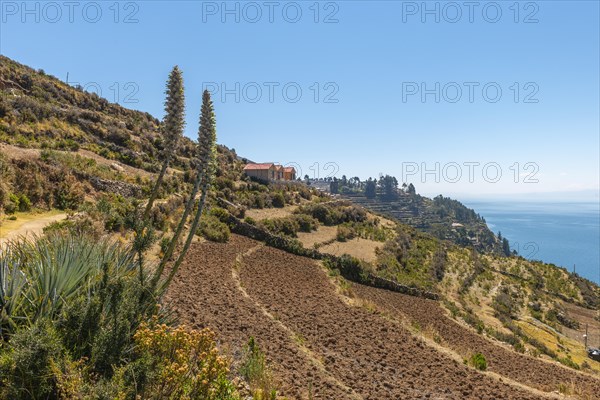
(38,276)
(12,284)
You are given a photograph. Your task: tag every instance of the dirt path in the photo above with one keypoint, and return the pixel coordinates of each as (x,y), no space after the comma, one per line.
(28,228)
(313,338)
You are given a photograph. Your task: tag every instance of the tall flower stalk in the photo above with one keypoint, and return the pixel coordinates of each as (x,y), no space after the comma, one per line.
(172,131)
(207,137)
(173,124)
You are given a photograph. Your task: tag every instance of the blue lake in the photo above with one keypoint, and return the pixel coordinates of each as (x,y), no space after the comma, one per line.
(562,233)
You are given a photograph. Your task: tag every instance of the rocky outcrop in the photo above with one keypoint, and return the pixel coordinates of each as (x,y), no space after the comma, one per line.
(123,188)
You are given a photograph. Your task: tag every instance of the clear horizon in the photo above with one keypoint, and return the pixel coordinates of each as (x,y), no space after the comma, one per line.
(345,88)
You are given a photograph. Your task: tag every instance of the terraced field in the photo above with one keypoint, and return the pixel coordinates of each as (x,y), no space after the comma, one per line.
(315,339)
(543,375)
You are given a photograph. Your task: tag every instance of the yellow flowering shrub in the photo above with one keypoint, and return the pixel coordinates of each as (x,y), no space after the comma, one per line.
(186,363)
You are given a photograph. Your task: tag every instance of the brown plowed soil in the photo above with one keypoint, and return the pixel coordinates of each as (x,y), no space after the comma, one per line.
(533,372)
(204,294)
(311,336)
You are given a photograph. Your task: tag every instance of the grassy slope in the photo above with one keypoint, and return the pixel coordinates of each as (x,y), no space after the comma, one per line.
(39,111)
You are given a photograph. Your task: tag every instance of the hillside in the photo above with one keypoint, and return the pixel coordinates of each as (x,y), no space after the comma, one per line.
(349,297)
(442,217)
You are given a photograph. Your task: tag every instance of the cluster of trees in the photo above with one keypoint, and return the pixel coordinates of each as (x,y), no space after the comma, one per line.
(386,187)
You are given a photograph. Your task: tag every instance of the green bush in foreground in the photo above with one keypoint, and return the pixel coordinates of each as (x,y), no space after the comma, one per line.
(78,321)
(254,370)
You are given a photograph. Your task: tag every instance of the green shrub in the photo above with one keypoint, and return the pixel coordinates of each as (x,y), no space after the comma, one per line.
(13,204)
(221,213)
(69,194)
(26,365)
(214,230)
(176,363)
(478,361)
(281,226)
(519,347)
(250,220)
(331,215)
(78,225)
(24,203)
(254,370)
(569,362)
(164,244)
(278,200)
(344,233)
(306,223)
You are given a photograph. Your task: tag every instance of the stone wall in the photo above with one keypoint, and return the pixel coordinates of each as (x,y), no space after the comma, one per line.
(349,267)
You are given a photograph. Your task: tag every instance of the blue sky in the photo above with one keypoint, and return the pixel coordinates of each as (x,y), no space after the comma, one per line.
(361,68)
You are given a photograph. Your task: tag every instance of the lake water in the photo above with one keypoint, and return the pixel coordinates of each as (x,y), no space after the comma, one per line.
(564,233)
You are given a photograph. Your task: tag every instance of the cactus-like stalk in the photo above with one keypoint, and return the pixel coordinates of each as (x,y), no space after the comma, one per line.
(207,137)
(173,124)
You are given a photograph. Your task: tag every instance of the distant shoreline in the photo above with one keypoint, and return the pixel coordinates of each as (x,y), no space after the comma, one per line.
(563,233)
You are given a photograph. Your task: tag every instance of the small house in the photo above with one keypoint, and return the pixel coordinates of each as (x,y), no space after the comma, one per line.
(263,171)
(279,172)
(270,172)
(289,173)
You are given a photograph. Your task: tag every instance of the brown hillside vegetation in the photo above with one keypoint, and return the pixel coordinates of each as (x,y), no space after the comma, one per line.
(320,346)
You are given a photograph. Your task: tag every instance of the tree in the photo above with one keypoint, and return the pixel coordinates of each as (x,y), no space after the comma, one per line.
(207,155)
(334,186)
(344,181)
(389,186)
(172,128)
(411,189)
(506,247)
(438,264)
(370,189)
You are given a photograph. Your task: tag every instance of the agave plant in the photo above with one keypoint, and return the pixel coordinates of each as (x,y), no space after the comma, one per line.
(12,283)
(39,275)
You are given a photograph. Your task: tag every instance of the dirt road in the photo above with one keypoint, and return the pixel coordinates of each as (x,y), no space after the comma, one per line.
(34,226)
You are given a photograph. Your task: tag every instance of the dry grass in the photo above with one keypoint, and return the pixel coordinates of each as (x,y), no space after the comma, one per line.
(362,249)
(264,213)
(567,346)
(323,234)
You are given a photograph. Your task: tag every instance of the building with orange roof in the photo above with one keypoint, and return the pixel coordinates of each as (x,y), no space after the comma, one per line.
(289,173)
(269,171)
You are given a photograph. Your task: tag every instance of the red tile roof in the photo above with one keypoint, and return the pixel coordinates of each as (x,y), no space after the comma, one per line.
(258,166)
(289,169)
